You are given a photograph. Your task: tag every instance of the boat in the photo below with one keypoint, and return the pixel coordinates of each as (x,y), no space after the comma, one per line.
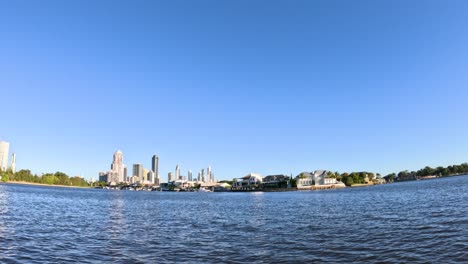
(204,190)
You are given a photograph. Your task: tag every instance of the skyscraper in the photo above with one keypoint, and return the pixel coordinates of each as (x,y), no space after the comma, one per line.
(150,177)
(189,175)
(154,165)
(170,177)
(208,174)
(118,167)
(4,149)
(177,173)
(145,174)
(13,163)
(203,175)
(138,171)
(157,180)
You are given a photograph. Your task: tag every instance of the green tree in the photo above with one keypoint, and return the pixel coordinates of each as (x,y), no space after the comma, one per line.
(390,177)
(293,183)
(338,176)
(349,181)
(5,177)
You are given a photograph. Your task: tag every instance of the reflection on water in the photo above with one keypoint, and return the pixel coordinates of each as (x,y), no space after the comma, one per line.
(417,222)
(5,233)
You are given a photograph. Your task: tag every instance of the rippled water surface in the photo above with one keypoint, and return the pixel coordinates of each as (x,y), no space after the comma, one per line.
(417,222)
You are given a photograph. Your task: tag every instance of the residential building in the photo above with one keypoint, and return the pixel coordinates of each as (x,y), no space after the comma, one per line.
(13,163)
(155,165)
(208,174)
(189,175)
(177,172)
(150,177)
(103,176)
(4,149)
(118,170)
(318,177)
(250,180)
(138,171)
(170,177)
(157,180)
(113,177)
(145,175)
(118,167)
(276,181)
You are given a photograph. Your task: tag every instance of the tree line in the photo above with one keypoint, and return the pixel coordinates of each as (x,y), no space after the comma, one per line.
(349,179)
(58,178)
(428,171)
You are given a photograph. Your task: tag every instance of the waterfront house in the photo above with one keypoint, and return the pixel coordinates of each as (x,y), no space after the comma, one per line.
(306,180)
(250,181)
(222,187)
(276,181)
(313,178)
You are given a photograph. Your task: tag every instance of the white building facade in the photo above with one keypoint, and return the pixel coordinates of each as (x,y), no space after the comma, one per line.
(4,149)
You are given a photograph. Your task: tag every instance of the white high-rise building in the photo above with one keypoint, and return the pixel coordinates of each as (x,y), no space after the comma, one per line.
(118,170)
(155,165)
(189,175)
(4,149)
(13,163)
(170,177)
(208,174)
(177,173)
(118,167)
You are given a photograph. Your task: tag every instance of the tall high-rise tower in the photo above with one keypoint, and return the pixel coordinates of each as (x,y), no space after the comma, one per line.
(177,173)
(208,174)
(145,174)
(154,165)
(170,177)
(189,175)
(4,149)
(118,167)
(138,171)
(13,163)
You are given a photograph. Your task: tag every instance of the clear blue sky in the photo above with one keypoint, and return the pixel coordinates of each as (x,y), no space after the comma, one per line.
(243,86)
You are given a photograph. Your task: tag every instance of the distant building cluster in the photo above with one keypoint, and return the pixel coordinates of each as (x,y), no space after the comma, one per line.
(118,173)
(4,153)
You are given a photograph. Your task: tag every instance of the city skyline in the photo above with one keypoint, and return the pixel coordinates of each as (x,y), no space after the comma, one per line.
(267,87)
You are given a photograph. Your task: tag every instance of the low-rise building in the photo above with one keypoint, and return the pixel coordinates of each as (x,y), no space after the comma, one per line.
(276,181)
(318,177)
(250,181)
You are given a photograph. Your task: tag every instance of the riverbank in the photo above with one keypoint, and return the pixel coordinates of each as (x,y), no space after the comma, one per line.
(41,184)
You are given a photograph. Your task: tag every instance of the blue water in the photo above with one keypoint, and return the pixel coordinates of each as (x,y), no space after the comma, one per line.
(409,222)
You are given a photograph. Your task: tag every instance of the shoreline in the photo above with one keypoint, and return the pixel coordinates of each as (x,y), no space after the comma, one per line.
(43,184)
